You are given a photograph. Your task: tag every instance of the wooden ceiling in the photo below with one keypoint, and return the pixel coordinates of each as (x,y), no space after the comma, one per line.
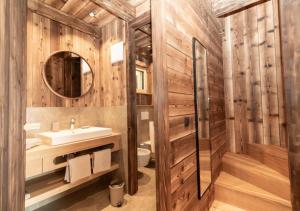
(103,11)
(89,15)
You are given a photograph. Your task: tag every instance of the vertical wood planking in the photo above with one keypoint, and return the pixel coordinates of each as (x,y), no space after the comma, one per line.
(228,85)
(46,36)
(254,103)
(13,15)
(290,32)
(258,58)
(279,71)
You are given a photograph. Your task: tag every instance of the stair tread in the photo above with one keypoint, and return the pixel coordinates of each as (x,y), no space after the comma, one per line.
(230,182)
(248,162)
(221,206)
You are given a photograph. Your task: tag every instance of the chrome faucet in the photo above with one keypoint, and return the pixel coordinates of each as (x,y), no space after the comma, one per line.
(72,124)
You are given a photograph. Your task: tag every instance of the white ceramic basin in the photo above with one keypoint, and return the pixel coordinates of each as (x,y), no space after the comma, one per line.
(69,136)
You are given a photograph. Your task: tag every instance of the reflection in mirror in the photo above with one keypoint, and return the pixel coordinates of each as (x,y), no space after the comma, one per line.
(141,80)
(202,117)
(68,75)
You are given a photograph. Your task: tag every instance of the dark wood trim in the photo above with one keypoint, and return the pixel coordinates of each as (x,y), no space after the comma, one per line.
(132,115)
(13,30)
(290,30)
(45,10)
(119,8)
(161,106)
(131,102)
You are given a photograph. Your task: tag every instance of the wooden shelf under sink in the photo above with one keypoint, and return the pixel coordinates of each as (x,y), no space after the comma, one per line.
(40,160)
(43,188)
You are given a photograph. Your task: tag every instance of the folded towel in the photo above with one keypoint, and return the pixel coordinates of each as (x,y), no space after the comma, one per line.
(78,168)
(101,160)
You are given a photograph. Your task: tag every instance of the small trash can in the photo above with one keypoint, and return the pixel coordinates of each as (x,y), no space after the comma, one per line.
(116,192)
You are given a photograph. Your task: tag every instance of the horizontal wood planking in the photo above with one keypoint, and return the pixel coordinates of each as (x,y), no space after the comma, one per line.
(46,36)
(253,78)
(256,173)
(272,156)
(247,196)
(181,19)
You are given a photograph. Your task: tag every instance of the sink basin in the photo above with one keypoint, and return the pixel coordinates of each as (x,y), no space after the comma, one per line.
(69,136)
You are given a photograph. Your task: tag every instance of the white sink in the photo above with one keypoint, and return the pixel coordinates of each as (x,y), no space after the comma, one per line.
(69,136)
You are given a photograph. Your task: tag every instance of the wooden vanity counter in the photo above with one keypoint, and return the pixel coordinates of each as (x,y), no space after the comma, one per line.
(45,177)
(40,159)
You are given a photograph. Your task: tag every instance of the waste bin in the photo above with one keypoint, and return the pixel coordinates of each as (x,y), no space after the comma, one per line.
(116,192)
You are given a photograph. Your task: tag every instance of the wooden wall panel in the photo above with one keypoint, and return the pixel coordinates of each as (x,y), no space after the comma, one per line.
(183,20)
(290,31)
(227,7)
(12,103)
(253,77)
(46,36)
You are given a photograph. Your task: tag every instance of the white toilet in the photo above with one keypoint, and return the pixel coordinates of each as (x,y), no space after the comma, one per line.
(144,155)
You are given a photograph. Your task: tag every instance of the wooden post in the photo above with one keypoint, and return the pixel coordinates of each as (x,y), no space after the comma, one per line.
(290,31)
(161,105)
(134,25)
(13,16)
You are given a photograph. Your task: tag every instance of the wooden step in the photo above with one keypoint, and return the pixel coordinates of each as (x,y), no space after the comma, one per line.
(274,157)
(221,206)
(239,193)
(256,173)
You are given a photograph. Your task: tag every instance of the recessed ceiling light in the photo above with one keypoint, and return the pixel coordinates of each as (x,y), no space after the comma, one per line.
(92,14)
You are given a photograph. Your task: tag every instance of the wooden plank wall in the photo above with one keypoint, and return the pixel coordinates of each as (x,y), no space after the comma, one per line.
(253,78)
(290,30)
(12,103)
(46,36)
(183,20)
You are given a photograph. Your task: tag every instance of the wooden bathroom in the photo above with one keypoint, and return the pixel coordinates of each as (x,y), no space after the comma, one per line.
(149,105)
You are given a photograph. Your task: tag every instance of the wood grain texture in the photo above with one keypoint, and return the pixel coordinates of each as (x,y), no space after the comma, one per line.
(227,7)
(237,192)
(43,9)
(256,173)
(12,103)
(119,8)
(253,78)
(290,32)
(272,156)
(132,101)
(161,107)
(46,36)
(180,21)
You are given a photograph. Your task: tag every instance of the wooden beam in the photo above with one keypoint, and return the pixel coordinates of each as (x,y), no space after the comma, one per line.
(161,105)
(224,8)
(290,31)
(119,8)
(13,20)
(45,10)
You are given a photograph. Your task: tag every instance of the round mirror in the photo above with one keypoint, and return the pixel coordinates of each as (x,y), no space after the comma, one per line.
(68,75)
